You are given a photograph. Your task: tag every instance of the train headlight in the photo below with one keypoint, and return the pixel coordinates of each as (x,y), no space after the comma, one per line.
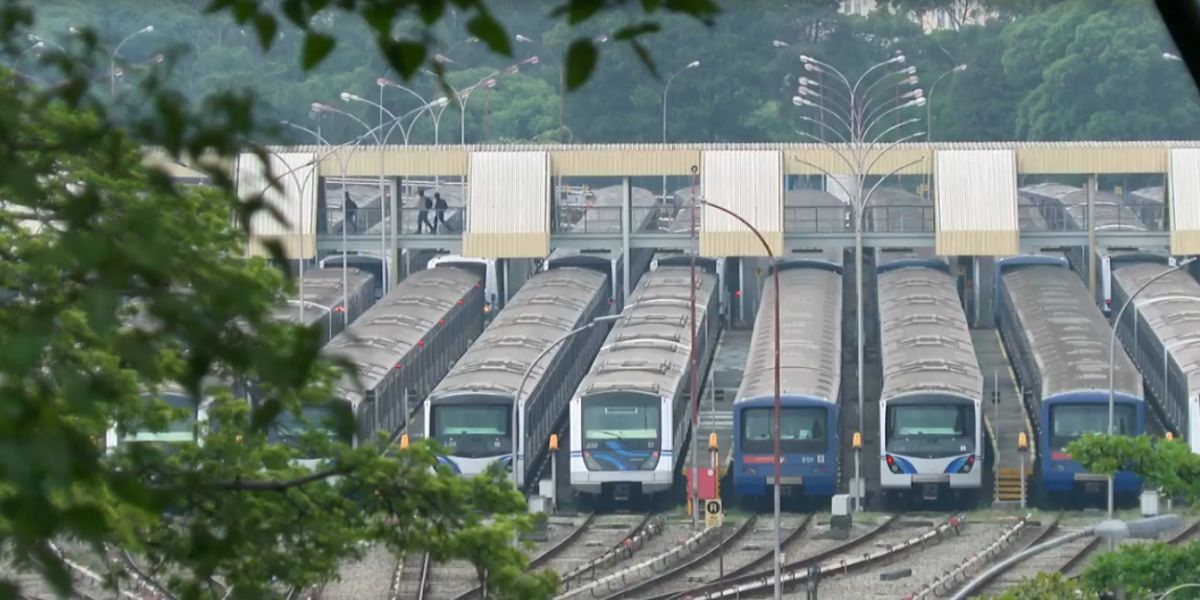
(1059,467)
(591,463)
(967,466)
(651,462)
(891,463)
(749,470)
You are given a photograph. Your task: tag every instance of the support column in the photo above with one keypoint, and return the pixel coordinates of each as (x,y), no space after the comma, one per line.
(626,208)
(1091,225)
(393,259)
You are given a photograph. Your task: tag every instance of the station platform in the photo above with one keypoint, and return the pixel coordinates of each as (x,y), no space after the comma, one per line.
(724,379)
(1004,417)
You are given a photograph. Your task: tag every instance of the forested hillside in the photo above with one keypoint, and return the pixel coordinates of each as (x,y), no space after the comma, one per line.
(1062,70)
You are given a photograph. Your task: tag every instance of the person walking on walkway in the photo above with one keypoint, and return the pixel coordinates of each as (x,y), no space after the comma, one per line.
(424,203)
(441,206)
(351,213)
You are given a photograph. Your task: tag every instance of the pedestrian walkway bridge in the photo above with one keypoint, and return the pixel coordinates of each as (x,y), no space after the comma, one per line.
(511,202)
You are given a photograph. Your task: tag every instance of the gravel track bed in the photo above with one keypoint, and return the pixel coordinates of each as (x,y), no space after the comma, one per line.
(606,531)
(370,577)
(927,563)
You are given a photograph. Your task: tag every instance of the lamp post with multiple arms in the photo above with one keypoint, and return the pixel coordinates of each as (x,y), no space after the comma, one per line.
(1112,356)
(666,90)
(112,62)
(854,113)
(778,557)
(562,78)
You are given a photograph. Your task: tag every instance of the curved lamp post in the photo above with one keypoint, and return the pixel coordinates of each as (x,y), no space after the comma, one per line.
(562,77)
(778,410)
(666,90)
(112,61)
(1112,349)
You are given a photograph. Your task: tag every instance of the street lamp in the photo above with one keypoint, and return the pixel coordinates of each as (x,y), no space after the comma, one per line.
(1111,530)
(775,430)
(562,77)
(1112,342)
(666,89)
(851,108)
(385,260)
(112,61)
(518,401)
(929,101)
(38,45)
(1170,56)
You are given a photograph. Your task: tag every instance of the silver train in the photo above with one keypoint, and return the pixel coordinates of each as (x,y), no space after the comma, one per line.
(1149,205)
(629,416)
(401,347)
(327,305)
(1064,207)
(929,408)
(601,213)
(1057,340)
(470,412)
(1159,331)
(810,342)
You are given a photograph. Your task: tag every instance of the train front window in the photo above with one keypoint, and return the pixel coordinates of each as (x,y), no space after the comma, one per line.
(633,420)
(290,429)
(802,430)
(1069,422)
(180,424)
(930,430)
(473,431)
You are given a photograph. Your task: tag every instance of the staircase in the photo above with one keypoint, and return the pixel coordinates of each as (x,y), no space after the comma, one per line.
(1008,484)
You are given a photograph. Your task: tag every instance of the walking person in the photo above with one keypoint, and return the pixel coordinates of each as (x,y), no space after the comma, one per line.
(441,206)
(351,213)
(424,203)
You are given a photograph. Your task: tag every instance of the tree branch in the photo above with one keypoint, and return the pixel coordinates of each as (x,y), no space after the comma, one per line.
(239,485)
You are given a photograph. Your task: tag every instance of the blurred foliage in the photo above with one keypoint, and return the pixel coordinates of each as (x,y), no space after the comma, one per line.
(120,286)
(1169,466)
(1144,570)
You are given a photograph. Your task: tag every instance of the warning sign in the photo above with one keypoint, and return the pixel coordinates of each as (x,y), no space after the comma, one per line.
(714,516)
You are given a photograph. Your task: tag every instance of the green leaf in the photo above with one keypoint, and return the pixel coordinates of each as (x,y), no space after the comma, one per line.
(264,414)
(580,61)
(630,32)
(266,26)
(485,27)
(643,54)
(404,56)
(316,47)
(582,10)
(651,5)
(432,10)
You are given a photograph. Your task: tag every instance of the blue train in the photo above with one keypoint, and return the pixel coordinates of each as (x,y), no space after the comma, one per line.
(810,377)
(1058,342)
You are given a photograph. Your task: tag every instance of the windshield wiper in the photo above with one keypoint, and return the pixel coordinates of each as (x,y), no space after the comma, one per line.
(613,434)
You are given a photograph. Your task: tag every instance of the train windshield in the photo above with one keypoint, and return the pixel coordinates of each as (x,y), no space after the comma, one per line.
(1069,422)
(473,431)
(180,426)
(290,429)
(634,419)
(802,430)
(930,430)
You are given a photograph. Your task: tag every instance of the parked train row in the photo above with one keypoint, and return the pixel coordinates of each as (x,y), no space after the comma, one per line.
(443,342)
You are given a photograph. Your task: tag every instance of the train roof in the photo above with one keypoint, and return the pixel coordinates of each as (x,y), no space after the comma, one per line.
(1154,193)
(1111,211)
(322,287)
(810,340)
(1030,218)
(647,351)
(925,338)
(1168,305)
(548,306)
(897,211)
(1068,335)
(385,334)
(600,212)
(826,212)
